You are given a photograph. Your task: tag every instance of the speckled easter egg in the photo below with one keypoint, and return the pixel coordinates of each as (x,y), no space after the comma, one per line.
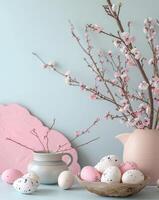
(107,161)
(133,176)
(111,175)
(65,180)
(34,177)
(127,166)
(10,175)
(89,173)
(24,185)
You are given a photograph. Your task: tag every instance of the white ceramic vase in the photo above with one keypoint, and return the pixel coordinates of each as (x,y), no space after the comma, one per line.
(48,166)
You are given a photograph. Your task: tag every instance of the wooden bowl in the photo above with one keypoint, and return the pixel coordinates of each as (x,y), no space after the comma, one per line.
(113,189)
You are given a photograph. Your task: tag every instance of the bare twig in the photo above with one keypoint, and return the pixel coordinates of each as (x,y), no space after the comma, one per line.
(20,144)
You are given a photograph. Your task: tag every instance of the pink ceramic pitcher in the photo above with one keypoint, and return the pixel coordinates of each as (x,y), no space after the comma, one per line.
(142,147)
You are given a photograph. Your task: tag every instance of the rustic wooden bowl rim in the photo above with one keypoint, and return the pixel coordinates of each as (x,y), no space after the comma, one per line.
(113,184)
(113,189)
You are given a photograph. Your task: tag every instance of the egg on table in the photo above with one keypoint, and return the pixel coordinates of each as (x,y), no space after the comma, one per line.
(34,177)
(10,175)
(24,185)
(111,175)
(107,161)
(133,176)
(90,174)
(65,180)
(127,166)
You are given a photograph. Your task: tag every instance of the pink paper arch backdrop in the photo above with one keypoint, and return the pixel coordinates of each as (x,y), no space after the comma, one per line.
(16,122)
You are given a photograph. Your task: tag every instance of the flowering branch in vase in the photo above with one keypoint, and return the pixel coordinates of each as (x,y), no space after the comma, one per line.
(61,148)
(137,108)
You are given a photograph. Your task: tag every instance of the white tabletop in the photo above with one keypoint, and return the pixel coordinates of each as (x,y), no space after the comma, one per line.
(52,192)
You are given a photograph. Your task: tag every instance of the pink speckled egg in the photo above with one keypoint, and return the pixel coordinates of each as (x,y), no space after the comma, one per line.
(10,175)
(89,173)
(127,166)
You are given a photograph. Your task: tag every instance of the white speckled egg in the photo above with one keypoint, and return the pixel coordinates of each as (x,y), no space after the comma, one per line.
(133,176)
(65,180)
(107,161)
(111,175)
(24,185)
(34,177)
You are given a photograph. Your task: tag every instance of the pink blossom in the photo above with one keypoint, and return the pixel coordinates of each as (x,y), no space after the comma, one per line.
(107,115)
(149,28)
(82,86)
(125,108)
(143,85)
(97,28)
(117,43)
(155,91)
(140,126)
(77,133)
(157,49)
(114,81)
(50,65)
(156,100)
(152,34)
(151,61)
(110,53)
(149,21)
(93,96)
(137,114)
(67,73)
(136,119)
(127,38)
(124,76)
(129,60)
(136,53)
(67,78)
(124,50)
(146,122)
(147,109)
(114,8)
(116,74)
(121,109)
(155,85)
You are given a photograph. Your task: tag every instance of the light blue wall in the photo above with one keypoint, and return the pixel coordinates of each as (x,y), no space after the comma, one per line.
(42,26)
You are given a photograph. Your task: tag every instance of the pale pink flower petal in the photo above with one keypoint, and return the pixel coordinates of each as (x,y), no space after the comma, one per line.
(93,96)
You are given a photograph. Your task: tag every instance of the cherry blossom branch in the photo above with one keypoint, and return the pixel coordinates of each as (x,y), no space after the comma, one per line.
(79,146)
(46,136)
(112,12)
(116,17)
(121,97)
(80,133)
(33,132)
(74,82)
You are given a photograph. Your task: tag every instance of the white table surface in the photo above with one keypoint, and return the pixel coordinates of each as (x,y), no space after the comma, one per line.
(53,192)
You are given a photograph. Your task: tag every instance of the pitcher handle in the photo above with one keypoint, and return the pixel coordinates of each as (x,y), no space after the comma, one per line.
(70,158)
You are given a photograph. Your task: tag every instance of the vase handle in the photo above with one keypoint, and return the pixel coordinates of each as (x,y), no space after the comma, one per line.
(70,158)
